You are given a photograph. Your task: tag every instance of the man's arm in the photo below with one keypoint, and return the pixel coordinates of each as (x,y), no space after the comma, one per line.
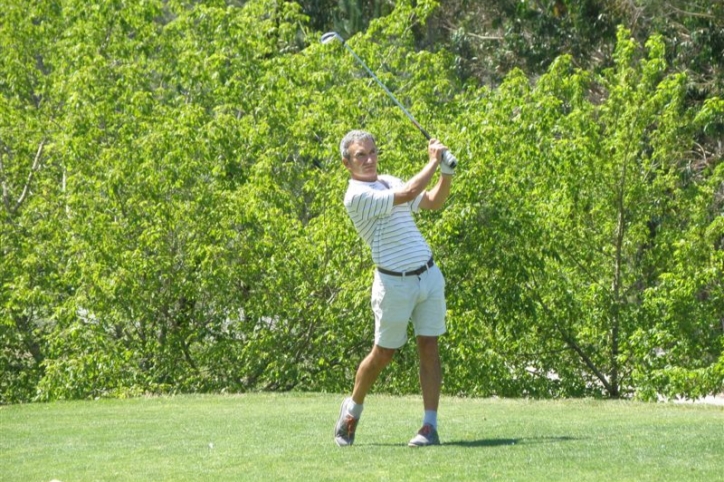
(435,198)
(417,184)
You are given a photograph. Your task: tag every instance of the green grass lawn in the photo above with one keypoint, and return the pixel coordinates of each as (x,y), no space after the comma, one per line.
(289,437)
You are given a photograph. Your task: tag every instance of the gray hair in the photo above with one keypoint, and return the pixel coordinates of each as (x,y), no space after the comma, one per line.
(352,137)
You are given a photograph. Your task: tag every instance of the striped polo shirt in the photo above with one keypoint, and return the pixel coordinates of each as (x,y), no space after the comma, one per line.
(390,231)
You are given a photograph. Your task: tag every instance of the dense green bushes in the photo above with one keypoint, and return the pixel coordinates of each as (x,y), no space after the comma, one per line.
(172,216)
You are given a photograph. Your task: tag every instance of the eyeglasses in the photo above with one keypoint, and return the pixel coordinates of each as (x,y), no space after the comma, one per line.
(362,156)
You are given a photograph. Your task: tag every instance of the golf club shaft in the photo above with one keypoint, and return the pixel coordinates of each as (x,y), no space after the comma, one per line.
(394,99)
(447,156)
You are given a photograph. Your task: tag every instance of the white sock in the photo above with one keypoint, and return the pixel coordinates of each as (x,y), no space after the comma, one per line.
(354,409)
(430,418)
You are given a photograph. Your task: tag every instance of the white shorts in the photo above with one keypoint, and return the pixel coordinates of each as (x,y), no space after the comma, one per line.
(396,300)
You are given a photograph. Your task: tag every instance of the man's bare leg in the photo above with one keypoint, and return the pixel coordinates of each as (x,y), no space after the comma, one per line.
(430,371)
(351,409)
(369,370)
(430,383)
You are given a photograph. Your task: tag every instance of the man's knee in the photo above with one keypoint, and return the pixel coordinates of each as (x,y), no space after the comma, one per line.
(381,355)
(427,346)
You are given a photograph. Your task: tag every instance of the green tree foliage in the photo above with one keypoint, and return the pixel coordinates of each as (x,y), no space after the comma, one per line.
(490,38)
(577,224)
(172,220)
(347,17)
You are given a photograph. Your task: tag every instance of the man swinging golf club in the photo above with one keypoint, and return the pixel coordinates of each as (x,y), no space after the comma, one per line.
(407,285)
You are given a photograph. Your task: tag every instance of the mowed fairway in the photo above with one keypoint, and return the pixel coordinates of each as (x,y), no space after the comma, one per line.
(289,437)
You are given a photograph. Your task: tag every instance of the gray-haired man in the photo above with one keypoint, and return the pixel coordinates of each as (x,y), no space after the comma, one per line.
(407,285)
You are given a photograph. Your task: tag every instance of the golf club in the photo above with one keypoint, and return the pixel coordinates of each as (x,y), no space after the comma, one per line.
(329,37)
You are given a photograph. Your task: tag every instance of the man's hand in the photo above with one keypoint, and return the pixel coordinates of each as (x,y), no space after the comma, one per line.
(442,156)
(435,148)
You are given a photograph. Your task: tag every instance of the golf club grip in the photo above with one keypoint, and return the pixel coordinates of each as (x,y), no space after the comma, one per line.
(449,159)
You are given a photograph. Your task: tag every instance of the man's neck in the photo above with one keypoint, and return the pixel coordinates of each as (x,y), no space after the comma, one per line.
(377,178)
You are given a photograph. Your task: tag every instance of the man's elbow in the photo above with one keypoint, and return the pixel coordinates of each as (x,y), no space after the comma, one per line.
(405,195)
(432,204)
(437,205)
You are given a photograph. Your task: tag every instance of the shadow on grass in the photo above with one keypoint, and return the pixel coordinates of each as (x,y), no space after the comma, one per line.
(497,442)
(492,442)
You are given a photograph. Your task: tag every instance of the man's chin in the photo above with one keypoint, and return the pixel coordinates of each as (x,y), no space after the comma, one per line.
(367,177)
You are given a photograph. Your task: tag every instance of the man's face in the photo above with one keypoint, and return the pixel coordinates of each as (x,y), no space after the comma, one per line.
(362,162)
